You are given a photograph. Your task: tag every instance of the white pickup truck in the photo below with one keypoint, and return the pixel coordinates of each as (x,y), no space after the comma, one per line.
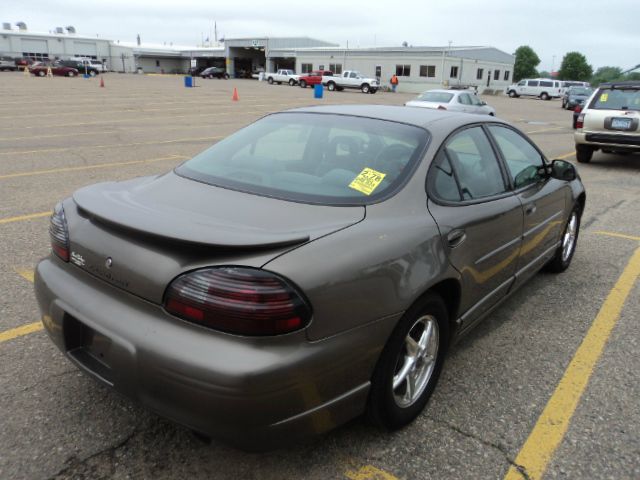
(351,79)
(282,75)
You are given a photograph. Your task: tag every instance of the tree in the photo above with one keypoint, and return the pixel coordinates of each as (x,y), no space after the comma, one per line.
(544,74)
(526,62)
(575,67)
(606,74)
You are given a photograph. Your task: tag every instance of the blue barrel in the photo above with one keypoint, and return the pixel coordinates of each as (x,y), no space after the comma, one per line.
(188,81)
(317,90)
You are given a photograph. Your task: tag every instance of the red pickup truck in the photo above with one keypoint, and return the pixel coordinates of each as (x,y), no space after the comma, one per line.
(313,78)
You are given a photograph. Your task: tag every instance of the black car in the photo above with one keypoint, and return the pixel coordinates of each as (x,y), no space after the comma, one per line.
(81,67)
(575,96)
(217,72)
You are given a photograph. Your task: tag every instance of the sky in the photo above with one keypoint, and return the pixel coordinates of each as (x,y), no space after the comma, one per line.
(606,33)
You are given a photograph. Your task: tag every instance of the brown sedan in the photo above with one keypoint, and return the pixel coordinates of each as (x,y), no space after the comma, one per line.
(313,266)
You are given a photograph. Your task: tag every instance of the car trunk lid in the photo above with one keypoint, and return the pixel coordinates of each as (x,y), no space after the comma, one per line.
(138,235)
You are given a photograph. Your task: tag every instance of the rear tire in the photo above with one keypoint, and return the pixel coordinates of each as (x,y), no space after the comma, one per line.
(412,360)
(71,74)
(331,86)
(545,96)
(584,153)
(562,258)
(270,81)
(41,73)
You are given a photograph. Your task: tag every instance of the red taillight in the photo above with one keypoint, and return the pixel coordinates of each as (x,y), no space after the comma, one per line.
(577,108)
(580,121)
(59,233)
(441,107)
(240,300)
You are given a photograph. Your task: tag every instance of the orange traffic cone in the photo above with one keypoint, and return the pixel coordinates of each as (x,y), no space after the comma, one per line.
(101,82)
(235,96)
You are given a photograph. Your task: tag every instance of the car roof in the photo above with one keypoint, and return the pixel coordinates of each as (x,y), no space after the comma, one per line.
(420,117)
(625,84)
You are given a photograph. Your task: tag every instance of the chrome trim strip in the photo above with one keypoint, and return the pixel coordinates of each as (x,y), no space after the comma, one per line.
(541,224)
(498,250)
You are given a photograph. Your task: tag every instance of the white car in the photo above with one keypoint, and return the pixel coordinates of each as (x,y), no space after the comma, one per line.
(453,100)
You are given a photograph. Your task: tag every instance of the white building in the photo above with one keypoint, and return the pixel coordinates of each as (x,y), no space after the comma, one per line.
(418,68)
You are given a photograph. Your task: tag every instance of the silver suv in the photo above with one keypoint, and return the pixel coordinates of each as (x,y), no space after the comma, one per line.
(609,121)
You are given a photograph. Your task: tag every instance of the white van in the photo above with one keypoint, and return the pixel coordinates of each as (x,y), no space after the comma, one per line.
(543,88)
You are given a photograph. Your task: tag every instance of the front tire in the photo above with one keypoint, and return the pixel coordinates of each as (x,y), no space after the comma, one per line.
(71,74)
(584,153)
(410,364)
(512,94)
(303,84)
(292,82)
(41,73)
(562,258)
(364,88)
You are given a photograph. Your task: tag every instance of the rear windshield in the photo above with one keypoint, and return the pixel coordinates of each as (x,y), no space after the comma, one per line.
(313,158)
(439,97)
(617,99)
(580,91)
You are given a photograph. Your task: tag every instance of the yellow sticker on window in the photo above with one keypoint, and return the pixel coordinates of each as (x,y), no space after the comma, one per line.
(367,181)
(604,97)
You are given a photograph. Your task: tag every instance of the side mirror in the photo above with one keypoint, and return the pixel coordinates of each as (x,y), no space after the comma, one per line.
(563,170)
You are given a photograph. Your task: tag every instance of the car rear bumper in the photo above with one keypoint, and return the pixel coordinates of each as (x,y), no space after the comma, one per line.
(254,393)
(607,140)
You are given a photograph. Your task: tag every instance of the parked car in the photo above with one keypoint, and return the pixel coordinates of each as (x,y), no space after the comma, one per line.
(8,64)
(454,100)
(543,88)
(336,272)
(215,72)
(314,78)
(41,69)
(82,68)
(609,121)
(351,79)
(282,76)
(575,96)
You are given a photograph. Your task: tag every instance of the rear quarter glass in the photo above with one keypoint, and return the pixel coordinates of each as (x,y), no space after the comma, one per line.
(315,158)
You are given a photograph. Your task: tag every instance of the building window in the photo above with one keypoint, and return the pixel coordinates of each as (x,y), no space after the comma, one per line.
(307,67)
(403,70)
(506,75)
(496,75)
(428,71)
(321,67)
(157,63)
(454,72)
(36,56)
(336,68)
(480,74)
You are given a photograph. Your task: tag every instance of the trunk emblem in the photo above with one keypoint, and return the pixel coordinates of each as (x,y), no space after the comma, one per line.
(108,262)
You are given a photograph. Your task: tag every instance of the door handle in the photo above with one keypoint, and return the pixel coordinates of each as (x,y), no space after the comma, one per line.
(456,237)
(530,209)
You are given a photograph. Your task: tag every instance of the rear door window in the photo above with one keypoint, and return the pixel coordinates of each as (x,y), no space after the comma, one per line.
(617,99)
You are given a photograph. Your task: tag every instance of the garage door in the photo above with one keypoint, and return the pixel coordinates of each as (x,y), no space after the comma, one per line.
(85,49)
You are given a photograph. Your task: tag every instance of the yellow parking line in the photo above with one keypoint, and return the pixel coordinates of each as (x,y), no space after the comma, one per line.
(112,145)
(26,274)
(369,472)
(21,218)
(20,331)
(551,129)
(92,167)
(618,235)
(553,423)
(566,155)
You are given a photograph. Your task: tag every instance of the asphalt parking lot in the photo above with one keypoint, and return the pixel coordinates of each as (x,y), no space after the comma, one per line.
(548,384)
